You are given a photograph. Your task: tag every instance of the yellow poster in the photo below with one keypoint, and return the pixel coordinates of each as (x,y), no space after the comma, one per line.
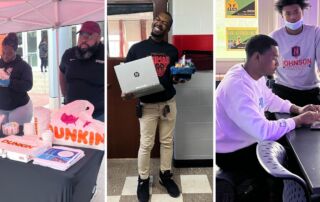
(237,37)
(240,8)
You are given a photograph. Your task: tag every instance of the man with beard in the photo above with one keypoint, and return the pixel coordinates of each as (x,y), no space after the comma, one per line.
(158,109)
(82,69)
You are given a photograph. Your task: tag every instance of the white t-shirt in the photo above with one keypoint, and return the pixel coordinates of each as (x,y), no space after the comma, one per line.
(240,103)
(298,54)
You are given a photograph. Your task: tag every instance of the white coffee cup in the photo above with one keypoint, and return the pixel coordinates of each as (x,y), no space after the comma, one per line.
(41,119)
(28,129)
(47,137)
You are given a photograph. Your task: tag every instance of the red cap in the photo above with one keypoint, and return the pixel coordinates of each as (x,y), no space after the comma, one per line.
(90,27)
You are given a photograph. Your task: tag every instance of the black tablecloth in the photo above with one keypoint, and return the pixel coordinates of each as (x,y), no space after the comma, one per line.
(26,182)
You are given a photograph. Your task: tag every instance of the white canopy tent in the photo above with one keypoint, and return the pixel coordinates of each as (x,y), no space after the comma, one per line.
(27,15)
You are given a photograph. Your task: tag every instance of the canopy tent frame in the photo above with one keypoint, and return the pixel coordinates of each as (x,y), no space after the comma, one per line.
(30,15)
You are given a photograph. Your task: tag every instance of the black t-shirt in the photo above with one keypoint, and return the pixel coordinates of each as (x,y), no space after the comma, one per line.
(21,81)
(84,78)
(164,56)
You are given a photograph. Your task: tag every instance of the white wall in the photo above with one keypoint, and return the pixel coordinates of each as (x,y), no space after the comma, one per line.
(194,125)
(267,21)
(192,17)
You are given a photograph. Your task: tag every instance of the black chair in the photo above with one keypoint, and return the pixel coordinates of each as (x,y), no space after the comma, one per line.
(272,157)
(234,186)
(225,187)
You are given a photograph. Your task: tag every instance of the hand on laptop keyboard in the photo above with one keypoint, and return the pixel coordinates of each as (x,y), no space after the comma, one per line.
(306,118)
(311,107)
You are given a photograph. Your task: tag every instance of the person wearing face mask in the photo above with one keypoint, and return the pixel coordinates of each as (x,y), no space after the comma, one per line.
(296,77)
(157,109)
(15,81)
(82,69)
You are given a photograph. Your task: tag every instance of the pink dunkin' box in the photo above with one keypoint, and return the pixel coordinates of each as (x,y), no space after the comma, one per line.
(22,148)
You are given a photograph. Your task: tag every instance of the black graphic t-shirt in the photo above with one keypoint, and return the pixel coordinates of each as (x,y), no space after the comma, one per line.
(164,56)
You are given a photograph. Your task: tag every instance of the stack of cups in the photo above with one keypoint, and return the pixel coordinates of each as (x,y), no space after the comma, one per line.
(28,129)
(2,119)
(41,119)
(47,137)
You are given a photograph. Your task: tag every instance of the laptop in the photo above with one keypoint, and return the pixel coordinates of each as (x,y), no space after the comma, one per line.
(138,77)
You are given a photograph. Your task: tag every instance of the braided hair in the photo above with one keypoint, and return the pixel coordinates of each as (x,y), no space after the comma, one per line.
(11,40)
(282,3)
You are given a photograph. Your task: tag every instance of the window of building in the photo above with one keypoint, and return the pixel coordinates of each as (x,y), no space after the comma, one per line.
(126,29)
(32,48)
(74,35)
(20,49)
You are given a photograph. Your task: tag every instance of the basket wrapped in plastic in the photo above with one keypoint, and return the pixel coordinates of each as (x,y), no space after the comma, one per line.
(182,72)
(183,69)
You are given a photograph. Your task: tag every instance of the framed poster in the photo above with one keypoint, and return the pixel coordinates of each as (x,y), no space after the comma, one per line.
(237,37)
(241,8)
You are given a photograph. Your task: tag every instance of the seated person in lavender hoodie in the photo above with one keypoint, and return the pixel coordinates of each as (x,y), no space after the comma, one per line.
(242,97)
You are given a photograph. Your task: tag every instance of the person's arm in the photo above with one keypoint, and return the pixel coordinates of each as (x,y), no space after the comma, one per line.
(62,81)
(25,82)
(306,115)
(317,47)
(276,104)
(273,102)
(294,109)
(46,48)
(306,118)
(242,108)
(131,56)
(62,71)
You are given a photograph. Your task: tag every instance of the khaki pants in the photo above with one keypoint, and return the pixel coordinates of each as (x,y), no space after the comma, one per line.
(151,118)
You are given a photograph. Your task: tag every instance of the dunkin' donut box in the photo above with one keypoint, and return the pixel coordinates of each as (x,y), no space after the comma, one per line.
(21,148)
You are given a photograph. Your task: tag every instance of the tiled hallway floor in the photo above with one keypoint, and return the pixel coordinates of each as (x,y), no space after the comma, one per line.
(195,183)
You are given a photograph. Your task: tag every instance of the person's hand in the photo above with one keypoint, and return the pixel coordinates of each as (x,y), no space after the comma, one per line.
(310,107)
(3,74)
(306,118)
(127,96)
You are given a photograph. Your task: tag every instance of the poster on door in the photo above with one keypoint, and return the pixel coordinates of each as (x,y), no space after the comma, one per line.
(237,37)
(240,8)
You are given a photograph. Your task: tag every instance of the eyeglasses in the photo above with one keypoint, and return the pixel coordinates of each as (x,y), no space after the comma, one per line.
(86,35)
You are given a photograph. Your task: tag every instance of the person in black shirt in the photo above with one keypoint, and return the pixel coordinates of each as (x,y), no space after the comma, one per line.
(158,109)
(82,69)
(43,53)
(15,81)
